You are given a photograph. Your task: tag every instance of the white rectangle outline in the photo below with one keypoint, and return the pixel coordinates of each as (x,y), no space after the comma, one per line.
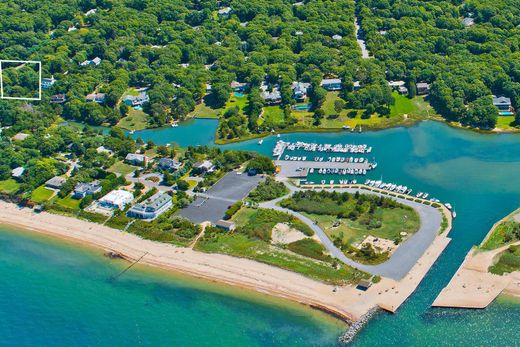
(20,62)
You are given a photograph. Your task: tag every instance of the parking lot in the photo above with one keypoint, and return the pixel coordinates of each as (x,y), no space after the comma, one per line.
(212,205)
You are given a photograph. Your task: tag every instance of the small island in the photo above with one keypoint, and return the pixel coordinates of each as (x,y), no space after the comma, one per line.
(491,269)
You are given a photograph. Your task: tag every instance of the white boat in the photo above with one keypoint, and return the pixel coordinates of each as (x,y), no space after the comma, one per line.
(278,135)
(448,206)
(175,125)
(454,214)
(261,141)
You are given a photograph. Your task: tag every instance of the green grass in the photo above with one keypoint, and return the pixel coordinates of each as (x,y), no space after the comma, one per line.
(9,186)
(506,122)
(204,111)
(508,262)
(68,202)
(122,168)
(506,232)
(272,117)
(240,245)
(41,194)
(135,120)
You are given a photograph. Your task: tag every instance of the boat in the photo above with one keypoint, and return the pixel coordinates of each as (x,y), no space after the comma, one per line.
(131,132)
(454,214)
(278,135)
(261,141)
(175,125)
(448,206)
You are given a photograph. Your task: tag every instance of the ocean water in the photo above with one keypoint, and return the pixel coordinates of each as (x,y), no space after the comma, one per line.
(478,174)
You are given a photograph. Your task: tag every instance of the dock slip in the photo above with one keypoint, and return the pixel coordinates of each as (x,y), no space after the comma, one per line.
(301,168)
(282,146)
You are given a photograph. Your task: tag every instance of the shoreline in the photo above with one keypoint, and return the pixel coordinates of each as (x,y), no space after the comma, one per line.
(346,303)
(473,286)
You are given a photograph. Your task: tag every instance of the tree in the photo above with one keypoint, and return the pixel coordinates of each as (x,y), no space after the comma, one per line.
(339,105)
(183,185)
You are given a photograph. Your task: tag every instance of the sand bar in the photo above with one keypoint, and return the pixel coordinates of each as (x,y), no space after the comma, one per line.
(346,302)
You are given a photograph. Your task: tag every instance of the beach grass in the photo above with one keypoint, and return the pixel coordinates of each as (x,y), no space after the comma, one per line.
(9,186)
(509,261)
(41,194)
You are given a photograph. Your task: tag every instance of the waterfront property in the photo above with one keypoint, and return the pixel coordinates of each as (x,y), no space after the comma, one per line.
(152,207)
(423,88)
(95,62)
(169,164)
(116,199)
(48,82)
(300,90)
(271,96)
(83,189)
(96,97)
(58,99)
(503,104)
(203,167)
(137,100)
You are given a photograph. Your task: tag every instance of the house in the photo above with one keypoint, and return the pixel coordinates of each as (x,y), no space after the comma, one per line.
(116,199)
(83,189)
(364,284)
(203,167)
(48,82)
(96,97)
(137,100)
(136,159)
(103,149)
(225,12)
(503,104)
(402,90)
(96,61)
(467,22)
(337,37)
(395,84)
(18,172)
(168,164)
(152,207)
(300,90)
(58,99)
(357,86)
(239,87)
(422,88)
(226,225)
(272,97)
(20,136)
(56,182)
(331,84)
(90,12)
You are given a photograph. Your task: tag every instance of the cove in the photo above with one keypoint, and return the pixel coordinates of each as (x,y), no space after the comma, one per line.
(477,173)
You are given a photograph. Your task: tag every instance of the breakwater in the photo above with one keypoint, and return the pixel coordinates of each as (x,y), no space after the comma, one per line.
(356,327)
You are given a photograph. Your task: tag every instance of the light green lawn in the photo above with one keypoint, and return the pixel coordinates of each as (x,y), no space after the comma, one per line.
(122,168)
(272,116)
(41,194)
(68,202)
(204,111)
(136,120)
(506,122)
(9,186)
(239,101)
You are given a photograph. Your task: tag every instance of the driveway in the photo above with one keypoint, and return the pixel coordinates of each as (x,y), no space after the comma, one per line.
(405,256)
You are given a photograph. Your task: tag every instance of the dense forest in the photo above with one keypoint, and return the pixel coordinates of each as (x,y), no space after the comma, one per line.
(467,50)
(175,48)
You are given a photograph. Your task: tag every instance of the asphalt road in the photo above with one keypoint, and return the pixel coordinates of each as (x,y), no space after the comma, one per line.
(405,256)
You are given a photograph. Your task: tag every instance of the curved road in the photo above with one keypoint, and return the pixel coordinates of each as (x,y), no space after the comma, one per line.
(404,257)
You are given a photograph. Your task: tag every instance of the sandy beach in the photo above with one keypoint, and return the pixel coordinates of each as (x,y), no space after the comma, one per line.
(473,286)
(346,302)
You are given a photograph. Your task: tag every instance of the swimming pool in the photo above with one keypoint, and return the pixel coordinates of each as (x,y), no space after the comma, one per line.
(506,113)
(239,94)
(301,107)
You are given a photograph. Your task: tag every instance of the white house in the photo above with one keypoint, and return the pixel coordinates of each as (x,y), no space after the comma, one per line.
(48,82)
(116,199)
(152,207)
(18,172)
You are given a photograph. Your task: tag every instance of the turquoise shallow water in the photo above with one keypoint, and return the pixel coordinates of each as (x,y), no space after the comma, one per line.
(477,173)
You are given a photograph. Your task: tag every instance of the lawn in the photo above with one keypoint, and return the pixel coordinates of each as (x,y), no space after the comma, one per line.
(9,186)
(136,120)
(204,111)
(506,232)
(68,202)
(122,168)
(506,122)
(272,117)
(41,194)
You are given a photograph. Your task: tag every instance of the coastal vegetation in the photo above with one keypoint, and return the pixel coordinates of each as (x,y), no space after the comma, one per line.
(268,190)
(506,232)
(252,239)
(348,219)
(508,261)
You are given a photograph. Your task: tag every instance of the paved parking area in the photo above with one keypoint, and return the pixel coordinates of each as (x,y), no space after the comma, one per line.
(212,205)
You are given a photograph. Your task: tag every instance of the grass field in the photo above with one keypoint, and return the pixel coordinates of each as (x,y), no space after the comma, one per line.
(41,194)
(506,123)
(9,186)
(122,168)
(136,120)
(272,117)
(68,202)
(204,111)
